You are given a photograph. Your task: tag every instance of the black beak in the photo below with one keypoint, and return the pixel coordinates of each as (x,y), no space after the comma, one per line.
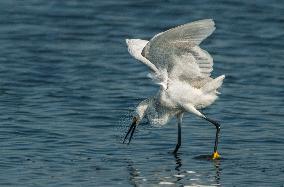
(131,129)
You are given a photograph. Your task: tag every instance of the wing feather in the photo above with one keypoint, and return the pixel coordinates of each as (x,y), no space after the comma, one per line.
(191,33)
(135,47)
(177,51)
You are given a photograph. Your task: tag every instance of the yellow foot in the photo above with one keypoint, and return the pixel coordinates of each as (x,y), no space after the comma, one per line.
(216,155)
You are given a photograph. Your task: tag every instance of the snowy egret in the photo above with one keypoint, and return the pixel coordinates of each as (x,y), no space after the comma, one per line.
(183,70)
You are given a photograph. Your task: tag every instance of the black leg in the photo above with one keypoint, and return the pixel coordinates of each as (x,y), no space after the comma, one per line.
(178,139)
(131,129)
(217,125)
(179,133)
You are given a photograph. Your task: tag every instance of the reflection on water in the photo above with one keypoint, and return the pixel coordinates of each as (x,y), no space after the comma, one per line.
(217,165)
(134,177)
(178,161)
(177,175)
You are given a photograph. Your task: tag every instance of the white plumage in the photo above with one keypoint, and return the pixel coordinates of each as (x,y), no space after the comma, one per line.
(181,68)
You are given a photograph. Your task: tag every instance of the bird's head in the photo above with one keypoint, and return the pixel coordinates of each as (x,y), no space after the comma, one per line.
(142,108)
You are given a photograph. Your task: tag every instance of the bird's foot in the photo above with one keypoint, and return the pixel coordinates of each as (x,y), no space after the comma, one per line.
(216,156)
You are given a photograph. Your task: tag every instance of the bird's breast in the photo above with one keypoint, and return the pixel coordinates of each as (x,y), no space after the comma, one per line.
(167,100)
(181,93)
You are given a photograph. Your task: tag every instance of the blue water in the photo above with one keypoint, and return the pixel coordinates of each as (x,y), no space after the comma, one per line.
(68,87)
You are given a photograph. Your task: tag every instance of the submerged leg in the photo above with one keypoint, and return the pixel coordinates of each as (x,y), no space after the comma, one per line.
(179,116)
(217,125)
(131,129)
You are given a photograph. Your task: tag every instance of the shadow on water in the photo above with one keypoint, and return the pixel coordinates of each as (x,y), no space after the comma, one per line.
(206,157)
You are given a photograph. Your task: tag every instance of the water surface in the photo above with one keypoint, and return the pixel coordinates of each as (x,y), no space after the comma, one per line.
(68,87)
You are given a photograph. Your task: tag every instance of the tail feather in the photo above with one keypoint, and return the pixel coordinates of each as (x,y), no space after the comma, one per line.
(213,85)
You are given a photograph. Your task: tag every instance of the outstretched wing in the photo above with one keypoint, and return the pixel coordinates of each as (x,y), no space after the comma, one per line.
(177,51)
(135,47)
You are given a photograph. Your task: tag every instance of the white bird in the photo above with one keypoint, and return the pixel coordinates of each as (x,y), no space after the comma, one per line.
(183,70)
